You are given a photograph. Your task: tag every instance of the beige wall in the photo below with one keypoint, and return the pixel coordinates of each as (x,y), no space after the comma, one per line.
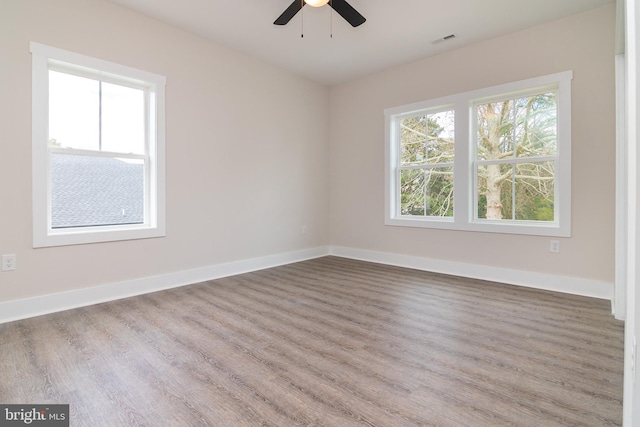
(247,150)
(249,159)
(583,43)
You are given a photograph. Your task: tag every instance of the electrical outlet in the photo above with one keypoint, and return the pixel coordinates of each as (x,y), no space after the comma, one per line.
(554,246)
(304,229)
(8,262)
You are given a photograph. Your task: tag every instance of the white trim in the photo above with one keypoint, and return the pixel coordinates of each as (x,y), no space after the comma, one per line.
(91,64)
(52,303)
(529,279)
(631,391)
(155,219)
(619,305)
(464,184)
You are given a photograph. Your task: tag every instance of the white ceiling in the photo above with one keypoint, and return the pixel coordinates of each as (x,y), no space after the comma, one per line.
(396,31)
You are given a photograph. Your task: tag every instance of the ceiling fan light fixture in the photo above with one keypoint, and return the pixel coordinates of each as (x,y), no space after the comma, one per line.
(341,7)
(316,3)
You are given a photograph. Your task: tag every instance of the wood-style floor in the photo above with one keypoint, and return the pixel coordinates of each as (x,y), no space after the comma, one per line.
(331,342)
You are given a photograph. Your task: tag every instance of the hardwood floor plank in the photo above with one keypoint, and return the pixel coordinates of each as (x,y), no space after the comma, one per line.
(330,341)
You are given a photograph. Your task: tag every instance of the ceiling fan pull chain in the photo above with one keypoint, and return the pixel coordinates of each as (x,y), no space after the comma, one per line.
(301,19)
(331,19)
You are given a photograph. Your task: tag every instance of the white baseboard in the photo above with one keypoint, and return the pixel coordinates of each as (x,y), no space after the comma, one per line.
(550,282)
(45,304)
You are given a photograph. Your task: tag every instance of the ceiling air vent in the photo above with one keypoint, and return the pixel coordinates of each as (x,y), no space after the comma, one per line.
(444,39)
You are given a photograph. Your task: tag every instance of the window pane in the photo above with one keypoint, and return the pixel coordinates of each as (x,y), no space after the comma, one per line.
(534,191)
(412,192)
(537,132)
(74,111)
(519,127)
(123,118)
(530,199)
(427,138)
(495,191)
(413,131)
(495,130)
(440,139)
(93,191)
(427,192)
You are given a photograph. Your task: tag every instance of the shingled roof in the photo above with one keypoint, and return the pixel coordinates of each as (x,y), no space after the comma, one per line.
(89,191)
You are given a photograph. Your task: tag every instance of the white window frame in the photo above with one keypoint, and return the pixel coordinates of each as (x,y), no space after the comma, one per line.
(45,58)
(465,199)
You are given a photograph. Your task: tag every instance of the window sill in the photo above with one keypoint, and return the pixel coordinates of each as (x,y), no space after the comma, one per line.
(486,226)
(79,236)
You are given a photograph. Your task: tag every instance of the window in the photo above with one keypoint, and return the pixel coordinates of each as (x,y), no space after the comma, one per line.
(98,150)
(515,157)
(496,159)
(426,163)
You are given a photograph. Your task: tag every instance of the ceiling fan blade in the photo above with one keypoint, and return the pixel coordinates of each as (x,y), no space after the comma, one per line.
(289,13)
(345,10)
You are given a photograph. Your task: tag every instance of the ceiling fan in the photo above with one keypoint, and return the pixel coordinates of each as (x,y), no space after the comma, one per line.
(343,8)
